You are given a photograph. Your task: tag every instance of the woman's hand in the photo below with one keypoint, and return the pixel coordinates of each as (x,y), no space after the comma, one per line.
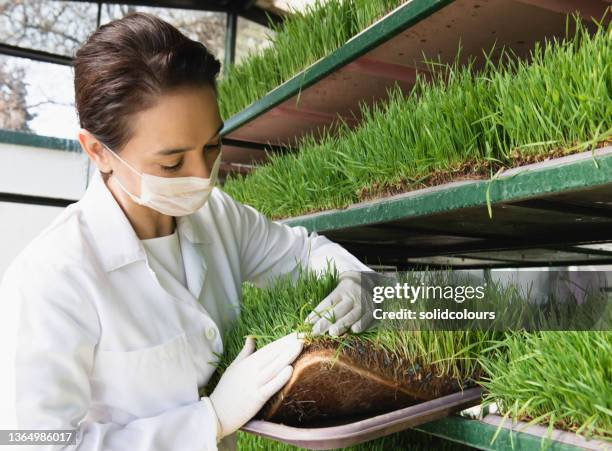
(343,308)
(251,379)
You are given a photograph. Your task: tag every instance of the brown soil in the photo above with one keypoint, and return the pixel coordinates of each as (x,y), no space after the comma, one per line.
(352,382)
(469,170)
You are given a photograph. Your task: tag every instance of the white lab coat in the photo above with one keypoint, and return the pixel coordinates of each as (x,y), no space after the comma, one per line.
(95,343)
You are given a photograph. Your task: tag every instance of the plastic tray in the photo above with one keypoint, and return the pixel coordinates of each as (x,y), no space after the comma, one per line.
(367,429)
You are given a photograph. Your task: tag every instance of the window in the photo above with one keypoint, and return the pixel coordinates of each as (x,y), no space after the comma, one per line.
(37,97)
(54,27)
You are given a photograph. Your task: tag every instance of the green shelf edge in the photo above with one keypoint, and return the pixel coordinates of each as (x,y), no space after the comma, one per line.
(478,434)
(33,140)
(528,183)
(381,31)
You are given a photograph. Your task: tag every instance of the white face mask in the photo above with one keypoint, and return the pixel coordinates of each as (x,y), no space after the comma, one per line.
(173,196)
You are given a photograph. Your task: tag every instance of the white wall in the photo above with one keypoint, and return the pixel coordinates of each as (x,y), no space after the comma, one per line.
(39,172)
(42,172)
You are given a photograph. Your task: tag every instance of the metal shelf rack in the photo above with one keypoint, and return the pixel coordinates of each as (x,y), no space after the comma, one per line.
(390,51)
(557,212)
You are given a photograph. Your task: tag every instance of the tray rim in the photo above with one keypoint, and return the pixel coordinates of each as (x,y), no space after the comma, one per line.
(366,429)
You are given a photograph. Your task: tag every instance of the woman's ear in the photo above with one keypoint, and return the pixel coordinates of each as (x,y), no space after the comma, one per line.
(94,150)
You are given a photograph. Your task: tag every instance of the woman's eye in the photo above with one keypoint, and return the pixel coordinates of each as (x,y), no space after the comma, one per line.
(173,167)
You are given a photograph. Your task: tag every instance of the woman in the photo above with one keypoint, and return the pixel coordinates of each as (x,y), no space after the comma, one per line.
(118,307)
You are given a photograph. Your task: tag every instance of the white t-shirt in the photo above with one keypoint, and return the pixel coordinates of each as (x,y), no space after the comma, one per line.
(165,251)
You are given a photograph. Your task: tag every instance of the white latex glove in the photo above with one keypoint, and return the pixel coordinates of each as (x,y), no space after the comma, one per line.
(251,379)
(342,308)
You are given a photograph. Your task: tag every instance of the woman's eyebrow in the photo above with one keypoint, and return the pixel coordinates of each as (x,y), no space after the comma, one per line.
(183,149)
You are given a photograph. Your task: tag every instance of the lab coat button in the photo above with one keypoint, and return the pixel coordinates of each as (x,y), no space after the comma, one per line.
(211,333)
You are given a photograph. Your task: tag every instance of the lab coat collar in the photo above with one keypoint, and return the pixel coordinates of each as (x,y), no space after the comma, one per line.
(115,238)
(192,229)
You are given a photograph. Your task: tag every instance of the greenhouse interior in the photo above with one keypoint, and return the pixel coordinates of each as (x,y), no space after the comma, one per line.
(421,136)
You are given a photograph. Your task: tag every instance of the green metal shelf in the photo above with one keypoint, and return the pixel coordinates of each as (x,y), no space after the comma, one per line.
(479,434)
(390,51)
(31,140)
(556,212)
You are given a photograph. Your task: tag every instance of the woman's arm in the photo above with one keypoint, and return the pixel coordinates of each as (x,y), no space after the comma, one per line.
(51,358)
(269,248)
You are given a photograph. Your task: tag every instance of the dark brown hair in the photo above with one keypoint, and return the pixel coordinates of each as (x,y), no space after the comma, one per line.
(125,64)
